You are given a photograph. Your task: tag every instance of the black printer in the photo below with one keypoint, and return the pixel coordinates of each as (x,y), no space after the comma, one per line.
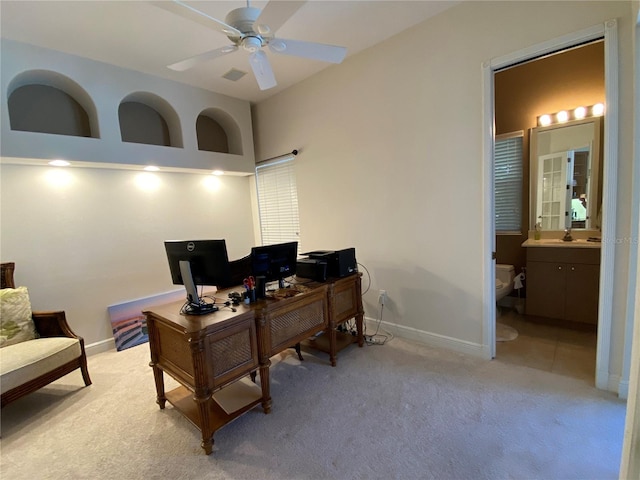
(339,263)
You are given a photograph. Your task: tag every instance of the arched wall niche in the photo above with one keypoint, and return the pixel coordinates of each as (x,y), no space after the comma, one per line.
(48,102)
(211,135)
(147,118)
(212,125)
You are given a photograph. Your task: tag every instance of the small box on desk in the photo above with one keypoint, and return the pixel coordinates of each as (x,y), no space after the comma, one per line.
(340,263)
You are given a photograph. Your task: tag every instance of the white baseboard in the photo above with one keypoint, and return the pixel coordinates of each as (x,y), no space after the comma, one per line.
(429,338)
(101,346)
(612,383)
(623,389)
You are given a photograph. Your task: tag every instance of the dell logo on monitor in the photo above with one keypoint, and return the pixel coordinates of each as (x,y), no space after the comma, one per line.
(191,247)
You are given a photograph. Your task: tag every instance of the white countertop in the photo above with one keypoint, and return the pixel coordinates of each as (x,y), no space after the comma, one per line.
(558,242)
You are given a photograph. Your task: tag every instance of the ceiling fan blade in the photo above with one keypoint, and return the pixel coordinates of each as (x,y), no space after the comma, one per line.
(193,14)
(274,15)
(203,57)
(315,51)
(262,70)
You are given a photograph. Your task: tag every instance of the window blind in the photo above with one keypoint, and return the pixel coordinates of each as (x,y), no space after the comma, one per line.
(508,182)
(278,202)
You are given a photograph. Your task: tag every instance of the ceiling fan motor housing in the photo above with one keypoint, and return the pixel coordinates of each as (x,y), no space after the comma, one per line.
(243,19)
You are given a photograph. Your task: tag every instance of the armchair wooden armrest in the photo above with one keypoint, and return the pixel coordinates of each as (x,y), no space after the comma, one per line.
(52,324)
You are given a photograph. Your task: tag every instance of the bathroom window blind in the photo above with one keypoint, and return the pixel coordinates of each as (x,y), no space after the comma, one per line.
(278,202)
(508,182)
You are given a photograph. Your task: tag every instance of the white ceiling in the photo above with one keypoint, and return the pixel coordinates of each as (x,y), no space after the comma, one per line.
(140,36)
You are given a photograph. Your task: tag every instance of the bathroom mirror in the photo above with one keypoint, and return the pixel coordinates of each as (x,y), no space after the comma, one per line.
(565,182)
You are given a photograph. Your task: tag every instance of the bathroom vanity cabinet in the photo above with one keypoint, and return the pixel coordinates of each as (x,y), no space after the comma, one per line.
(563,283)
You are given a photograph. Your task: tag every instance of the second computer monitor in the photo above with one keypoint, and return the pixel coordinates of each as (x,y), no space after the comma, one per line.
(275,262)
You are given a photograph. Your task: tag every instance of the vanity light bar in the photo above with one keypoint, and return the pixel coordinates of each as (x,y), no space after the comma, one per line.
(564,116)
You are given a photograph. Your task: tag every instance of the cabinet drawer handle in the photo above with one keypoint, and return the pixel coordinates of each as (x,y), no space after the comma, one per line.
(573,269)
(559,268)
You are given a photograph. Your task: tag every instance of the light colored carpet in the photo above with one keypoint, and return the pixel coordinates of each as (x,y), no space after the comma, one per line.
(401,411)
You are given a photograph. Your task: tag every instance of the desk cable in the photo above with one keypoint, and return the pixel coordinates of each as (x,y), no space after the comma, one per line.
(376,338)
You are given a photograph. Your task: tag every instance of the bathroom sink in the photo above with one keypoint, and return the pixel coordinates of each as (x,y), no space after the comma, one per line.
(558,242)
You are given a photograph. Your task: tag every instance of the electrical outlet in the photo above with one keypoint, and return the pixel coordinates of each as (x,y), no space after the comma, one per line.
(382,297)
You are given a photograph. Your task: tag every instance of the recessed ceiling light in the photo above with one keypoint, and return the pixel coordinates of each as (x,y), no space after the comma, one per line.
(59,163)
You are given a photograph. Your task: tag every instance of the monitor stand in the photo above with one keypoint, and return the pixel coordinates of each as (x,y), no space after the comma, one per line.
(195,304)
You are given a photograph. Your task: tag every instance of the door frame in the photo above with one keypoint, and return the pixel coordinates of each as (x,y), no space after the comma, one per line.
(608,30)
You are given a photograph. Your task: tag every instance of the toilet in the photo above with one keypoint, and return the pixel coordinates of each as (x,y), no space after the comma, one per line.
(505,275)
(505,278)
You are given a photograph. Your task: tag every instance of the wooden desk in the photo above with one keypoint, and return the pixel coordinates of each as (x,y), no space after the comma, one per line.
(204,354)
(210,354)
(345,303)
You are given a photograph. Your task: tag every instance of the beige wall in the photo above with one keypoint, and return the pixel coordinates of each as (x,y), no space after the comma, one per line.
(391,159)
(86,238)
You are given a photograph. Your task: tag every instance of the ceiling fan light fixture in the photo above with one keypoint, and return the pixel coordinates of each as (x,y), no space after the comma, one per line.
(251,44)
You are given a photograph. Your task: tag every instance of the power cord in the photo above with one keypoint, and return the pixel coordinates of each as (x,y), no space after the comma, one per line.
(200,308)
(368,278)
(204,307)
(377,338)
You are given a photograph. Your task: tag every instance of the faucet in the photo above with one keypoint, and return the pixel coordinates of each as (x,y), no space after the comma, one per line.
(567,235)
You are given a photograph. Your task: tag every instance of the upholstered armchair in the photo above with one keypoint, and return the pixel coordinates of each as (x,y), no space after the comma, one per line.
(36,348)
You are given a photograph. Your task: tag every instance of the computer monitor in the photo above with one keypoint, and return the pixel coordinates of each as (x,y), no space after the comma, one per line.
(198,262)
(275,262)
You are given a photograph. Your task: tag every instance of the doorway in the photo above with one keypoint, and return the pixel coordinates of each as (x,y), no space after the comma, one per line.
(608,32)
(539,336)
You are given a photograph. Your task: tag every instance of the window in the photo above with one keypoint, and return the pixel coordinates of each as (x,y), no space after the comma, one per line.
(278,201)
(508,182)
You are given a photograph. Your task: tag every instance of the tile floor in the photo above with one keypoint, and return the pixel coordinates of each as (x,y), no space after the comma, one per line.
(546,347)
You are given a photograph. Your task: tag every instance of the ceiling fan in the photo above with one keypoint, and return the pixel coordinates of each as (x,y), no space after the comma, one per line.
(252,29)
